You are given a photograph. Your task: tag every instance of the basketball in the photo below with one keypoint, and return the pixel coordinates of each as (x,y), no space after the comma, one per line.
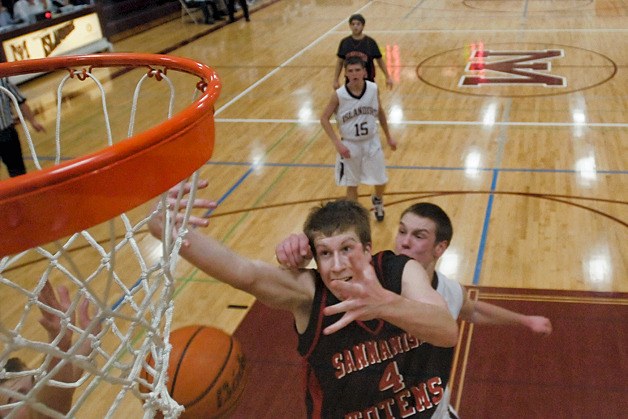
(206,372)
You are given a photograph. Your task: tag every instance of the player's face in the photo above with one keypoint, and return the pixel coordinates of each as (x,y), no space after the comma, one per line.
(332,256)
(355,72)
(356,27)
(19,385)
(416,238)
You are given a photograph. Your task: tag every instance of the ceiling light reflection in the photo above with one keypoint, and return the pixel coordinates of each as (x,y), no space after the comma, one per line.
(305,113)
(586,169)
(395,116)
(472,164)
(448,263)
(489,115)
(597,267)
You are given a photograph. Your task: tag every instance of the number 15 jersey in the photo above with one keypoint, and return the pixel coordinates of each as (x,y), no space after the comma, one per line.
(357,115)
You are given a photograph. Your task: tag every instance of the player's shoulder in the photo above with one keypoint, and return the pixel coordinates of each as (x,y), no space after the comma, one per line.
(370,39)
(388,257)
(344,41)
(372,86)
(448,282)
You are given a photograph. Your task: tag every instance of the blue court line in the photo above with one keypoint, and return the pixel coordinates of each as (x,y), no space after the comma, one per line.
(444,168)
(487,217)
(233,187)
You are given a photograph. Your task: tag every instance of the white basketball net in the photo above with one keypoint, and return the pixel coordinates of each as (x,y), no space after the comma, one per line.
(127,278)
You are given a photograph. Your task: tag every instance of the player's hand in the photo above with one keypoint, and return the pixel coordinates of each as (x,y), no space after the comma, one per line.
(176,203)
(38,127)
(294,251)
(389,83)
(84,319)
(55,309)
(392,143)
(539,324)
(362,296)
(343,151)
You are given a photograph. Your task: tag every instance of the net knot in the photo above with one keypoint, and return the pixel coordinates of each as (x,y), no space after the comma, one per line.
(80,74)
(157,73)
(201,85)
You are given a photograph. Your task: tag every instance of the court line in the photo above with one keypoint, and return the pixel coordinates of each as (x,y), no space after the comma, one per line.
(282,65)
(556,299)
(438,123)
(399,167)
(394,166)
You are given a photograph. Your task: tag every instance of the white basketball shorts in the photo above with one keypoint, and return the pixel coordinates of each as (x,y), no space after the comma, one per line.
(366,165)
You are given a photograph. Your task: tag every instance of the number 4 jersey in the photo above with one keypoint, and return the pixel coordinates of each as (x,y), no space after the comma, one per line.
(371,369)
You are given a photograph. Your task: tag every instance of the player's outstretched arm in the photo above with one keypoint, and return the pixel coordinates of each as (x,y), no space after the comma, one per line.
(272,285)
(483,313)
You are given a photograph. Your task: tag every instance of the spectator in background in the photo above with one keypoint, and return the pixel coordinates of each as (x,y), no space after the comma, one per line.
(243,6)
(5,17)
(204,6)
(10,148)
(25,10)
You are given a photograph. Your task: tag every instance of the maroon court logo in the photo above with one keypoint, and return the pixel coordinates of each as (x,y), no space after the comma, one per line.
(516,69)
(512,67)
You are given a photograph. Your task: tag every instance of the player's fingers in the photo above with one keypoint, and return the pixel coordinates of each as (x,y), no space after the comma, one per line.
(83,314)
(46,295)
(283,255)
(173,203)
(64,297)
(297,250)
(337,308)
(187,187)
(346,290)
(304,246)
(344,321)
(291,250)
(198,221)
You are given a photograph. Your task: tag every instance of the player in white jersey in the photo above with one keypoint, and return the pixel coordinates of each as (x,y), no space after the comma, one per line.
(360,157)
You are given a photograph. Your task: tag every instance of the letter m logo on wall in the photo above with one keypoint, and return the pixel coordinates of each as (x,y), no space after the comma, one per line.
(512,68)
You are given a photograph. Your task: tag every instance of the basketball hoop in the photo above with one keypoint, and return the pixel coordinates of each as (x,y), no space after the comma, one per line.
(138,168)
(53,223)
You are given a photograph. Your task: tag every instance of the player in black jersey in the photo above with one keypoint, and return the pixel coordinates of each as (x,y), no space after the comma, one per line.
(367,332)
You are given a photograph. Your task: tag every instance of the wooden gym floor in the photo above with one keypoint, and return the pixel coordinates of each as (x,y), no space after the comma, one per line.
(532,170)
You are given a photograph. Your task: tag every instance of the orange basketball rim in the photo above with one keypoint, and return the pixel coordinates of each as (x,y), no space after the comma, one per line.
(42,206)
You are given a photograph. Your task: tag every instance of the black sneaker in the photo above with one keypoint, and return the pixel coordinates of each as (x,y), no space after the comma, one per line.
(379,208)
